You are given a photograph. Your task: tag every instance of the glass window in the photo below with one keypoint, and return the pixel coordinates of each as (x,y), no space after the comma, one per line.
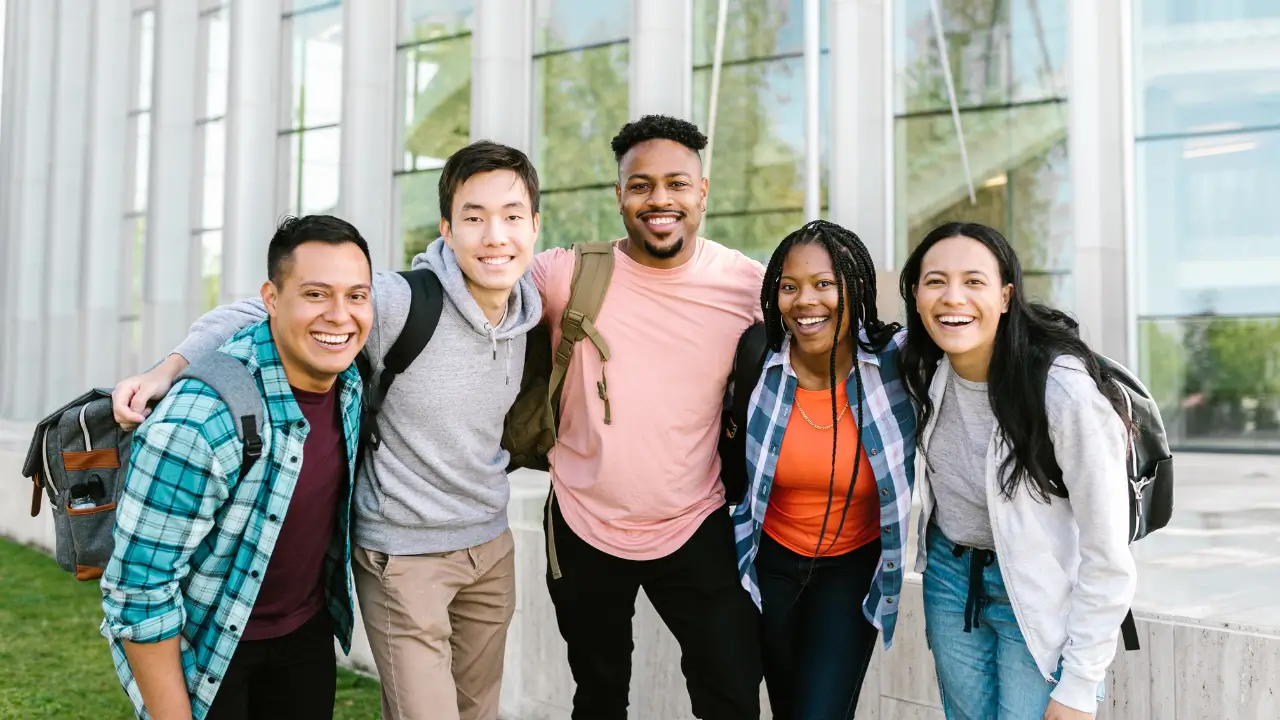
(145,29)
(210,267)
(999,52)
(435,77)
(580,101)
(568,24)
(140,125)
(756,194)
(1007,61)
(312,159)
(425,20)
(215,160)
(312,67)
(218,37)
(1203,66)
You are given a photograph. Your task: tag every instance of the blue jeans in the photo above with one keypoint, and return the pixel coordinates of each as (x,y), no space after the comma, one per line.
(986,673)
(815,640)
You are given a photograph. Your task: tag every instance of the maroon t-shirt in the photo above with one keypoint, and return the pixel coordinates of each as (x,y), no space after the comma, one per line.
(293,588)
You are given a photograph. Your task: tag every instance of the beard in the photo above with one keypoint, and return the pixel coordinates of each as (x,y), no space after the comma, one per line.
(667,252)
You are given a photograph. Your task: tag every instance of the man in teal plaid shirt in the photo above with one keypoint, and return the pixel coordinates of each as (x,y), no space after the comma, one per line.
(224,593)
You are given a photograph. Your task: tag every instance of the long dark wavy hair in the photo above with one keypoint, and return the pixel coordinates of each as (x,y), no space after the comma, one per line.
(1028,339)
(856,285)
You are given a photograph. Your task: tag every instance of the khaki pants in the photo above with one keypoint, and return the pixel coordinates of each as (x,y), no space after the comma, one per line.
(437,626)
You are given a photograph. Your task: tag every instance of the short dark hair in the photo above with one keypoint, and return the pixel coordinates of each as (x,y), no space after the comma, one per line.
(293,231)
(658,127)
(484,156)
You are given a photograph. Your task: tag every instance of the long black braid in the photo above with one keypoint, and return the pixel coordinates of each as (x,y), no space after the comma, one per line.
(856,279)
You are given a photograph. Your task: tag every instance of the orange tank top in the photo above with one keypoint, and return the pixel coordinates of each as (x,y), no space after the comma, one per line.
(802,479)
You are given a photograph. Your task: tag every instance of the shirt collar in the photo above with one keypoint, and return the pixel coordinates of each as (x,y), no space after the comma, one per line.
(281,406)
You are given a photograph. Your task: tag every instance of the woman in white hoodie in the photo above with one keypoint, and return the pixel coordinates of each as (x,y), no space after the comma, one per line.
(1022,473)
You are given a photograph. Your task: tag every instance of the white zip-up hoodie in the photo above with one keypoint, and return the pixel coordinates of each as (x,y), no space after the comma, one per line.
(1066,564)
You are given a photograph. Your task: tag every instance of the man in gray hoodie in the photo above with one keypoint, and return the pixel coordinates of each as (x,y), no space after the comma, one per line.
(434,560)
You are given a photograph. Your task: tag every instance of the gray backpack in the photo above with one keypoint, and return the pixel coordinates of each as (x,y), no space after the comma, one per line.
(79,458)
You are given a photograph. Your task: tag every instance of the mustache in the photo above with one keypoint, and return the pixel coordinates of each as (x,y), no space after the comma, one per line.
(646,213)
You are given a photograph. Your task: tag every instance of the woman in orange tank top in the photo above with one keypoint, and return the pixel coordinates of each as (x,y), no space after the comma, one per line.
(820,544)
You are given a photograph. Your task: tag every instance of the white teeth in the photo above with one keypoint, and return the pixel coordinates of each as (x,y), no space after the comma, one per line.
(811,321)
(661,220)
(328,339)
(495,260)
(955,319)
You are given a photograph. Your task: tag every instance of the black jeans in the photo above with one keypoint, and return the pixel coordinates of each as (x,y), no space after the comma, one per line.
(697,593)
(293,676)
(817,643)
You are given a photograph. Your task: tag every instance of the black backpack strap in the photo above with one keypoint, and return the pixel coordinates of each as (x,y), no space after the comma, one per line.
(425,305)
(748,364)
(235,384)
(1129,629)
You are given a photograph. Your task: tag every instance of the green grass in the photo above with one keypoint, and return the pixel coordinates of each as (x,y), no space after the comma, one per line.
(53,662)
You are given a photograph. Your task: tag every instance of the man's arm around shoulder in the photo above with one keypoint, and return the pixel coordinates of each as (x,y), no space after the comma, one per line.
(174,488)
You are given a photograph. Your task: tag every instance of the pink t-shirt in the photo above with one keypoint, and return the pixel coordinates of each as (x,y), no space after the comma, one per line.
(639,487)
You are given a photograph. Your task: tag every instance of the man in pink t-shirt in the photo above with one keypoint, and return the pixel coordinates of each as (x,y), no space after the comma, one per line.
(638,501)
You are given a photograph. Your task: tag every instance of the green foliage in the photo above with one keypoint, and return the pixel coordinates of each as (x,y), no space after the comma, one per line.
(57,665)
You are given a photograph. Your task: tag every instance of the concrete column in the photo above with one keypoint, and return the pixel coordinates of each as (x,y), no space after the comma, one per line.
(1096,149)
(105,197)
(253,96)
(367,159)
(861,136)
(661,67)
(502,73)
(26,218)
(167,309)
(8,73)
(64,351)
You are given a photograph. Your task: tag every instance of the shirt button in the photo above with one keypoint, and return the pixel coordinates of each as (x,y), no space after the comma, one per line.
(254,574)
(213,680)
(885,492)
(889,600)
(272,518)
(890,566)
(232,628)
(888,530)
(874,451)
(293,459)
(302,423)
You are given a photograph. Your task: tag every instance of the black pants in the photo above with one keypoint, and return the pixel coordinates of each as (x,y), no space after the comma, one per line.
(293,676)
(817,643)
(697,593)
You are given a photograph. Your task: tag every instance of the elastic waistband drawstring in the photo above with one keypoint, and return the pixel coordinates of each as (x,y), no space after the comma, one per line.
(977,597)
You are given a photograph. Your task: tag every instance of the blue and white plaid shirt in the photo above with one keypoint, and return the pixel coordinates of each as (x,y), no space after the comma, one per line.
(889,441)
(193,539)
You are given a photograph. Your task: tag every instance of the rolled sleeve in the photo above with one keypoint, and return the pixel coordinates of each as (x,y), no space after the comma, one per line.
(174,487)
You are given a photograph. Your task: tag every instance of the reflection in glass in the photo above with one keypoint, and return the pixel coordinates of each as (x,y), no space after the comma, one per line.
(564,24)
(210,267)
(580,216)
(312,68)
(1216,379)
(1207,237)
(146,33)
(437,102)
(756,235)
(1000,52)
(580,103)
(142,159)
(219,39)
(432,19)
(1205,66)
(1019,162)
(299,6)
(419,211)
(215,158)
(754,29)
(313,170)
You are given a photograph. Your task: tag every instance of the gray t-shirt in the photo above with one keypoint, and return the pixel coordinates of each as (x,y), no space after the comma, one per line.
(957,462)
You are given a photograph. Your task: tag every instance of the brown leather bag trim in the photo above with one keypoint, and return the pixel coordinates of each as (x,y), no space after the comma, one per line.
(92,510)
(88,573)
(36,492)
(108,459)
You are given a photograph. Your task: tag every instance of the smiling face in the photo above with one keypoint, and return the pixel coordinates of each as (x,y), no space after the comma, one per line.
(320,311)
(494,230)
(960,298)
(661,196)
(808,298)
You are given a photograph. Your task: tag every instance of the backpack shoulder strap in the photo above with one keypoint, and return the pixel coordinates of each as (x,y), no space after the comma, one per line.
(592,272)
(748,364)
(235,384)
(425,305)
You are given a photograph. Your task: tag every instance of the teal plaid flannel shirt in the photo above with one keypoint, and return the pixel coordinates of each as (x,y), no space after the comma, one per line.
(889,439)
(192,538)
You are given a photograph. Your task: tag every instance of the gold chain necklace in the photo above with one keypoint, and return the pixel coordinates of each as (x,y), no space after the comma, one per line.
(805,415)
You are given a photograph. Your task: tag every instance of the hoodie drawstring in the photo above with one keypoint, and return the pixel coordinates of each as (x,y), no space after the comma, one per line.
(508,361)
(493,338)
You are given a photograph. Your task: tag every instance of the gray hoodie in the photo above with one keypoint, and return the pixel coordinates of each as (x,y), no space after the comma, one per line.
(438,482)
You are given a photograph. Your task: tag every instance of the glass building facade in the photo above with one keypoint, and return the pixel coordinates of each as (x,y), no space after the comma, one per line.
(967,114)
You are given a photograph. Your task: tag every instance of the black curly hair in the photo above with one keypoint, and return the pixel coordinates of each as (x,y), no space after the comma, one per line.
(658,127)
(855,280)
